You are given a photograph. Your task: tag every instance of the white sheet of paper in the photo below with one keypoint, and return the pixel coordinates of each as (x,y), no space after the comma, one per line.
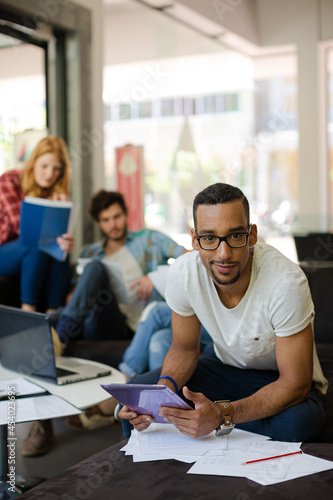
(269,448)
(38,408)
(23,387)
(160,442)
(131,448)
(159,279)
(161,438)
(115,275)
(118,284)
(301,465)
(242,439)
(266,472)
(230,465)
(236,455)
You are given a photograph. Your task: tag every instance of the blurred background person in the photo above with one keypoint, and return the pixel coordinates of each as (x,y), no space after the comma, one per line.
(46,174)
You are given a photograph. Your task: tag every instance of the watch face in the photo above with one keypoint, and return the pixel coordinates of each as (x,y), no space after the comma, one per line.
(223,431)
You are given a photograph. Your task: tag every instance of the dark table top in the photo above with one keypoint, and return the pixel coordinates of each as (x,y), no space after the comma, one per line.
(111,475)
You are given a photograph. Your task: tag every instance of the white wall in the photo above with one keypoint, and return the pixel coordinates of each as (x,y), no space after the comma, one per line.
(238,16)
(133,32)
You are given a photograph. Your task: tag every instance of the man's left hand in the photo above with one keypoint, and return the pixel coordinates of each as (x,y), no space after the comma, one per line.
(144,288)
(198,422)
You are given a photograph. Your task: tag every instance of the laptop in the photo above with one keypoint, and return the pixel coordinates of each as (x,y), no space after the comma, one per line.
(26,347)
(315,248)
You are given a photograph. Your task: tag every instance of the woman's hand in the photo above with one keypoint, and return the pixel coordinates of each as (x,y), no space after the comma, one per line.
(60,197)
(66,242)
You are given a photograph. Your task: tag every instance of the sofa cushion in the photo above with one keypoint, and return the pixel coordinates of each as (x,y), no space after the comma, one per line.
(325,355)
(321,287)
(109,352)
(10,291)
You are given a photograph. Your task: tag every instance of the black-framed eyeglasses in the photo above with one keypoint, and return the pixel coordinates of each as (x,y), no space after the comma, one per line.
(233,240)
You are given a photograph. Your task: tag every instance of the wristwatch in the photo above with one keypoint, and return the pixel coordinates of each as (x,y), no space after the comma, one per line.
(226,424)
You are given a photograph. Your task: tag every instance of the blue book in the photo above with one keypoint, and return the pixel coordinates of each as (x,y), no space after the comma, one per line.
(42,221)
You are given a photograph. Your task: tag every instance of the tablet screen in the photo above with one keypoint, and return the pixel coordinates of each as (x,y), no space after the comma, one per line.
(146,399)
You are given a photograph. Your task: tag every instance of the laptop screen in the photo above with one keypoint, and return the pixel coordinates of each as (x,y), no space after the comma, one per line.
(314,247)
(26,343)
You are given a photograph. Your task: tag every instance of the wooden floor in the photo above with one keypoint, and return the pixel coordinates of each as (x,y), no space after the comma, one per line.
(70,447)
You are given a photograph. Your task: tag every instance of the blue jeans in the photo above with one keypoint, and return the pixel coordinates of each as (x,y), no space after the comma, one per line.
(301,422)
(39,273)
(93,312)
(152,340)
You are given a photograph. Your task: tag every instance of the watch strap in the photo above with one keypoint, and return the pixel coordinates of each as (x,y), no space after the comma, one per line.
(226,423)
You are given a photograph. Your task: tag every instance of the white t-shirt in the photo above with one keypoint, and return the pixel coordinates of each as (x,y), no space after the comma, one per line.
(131,272)
(277,303)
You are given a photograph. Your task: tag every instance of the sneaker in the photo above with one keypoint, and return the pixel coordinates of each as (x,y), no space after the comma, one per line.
(39,439)
(92,419)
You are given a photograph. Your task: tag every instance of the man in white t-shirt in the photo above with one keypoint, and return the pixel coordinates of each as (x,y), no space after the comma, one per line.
(256,305)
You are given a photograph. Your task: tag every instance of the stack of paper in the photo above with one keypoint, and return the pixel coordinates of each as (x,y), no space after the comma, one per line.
(31,402)
(163,441)
(225,456)
(159,279)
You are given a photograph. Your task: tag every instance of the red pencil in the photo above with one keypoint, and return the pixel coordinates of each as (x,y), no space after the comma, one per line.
(271,458)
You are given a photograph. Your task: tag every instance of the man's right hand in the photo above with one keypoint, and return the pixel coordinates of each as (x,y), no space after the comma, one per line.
(143,287)
(139,422)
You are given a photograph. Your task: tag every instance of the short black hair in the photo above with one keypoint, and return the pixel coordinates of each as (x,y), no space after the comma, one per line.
(104,199)
(220,193)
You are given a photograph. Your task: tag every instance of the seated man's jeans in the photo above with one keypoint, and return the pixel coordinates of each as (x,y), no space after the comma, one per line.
(39,273)
(152,340)
(301,422)
(93,312)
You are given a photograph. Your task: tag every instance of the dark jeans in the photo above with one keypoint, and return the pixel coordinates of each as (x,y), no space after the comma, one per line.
(39,273)
(93,309)
(301,422)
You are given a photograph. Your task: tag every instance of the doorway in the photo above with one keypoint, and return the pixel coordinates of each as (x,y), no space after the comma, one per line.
(23,95)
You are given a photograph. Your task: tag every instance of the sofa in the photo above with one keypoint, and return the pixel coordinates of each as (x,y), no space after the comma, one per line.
(321,286)
(320,280)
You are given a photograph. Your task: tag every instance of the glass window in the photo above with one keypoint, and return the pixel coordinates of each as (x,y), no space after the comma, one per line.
(107,112)
(145,109)
(22,96)
(199,106)
(167,107)
(330,131)
(189,104)
(231,102)
(231,119)
(210,104)
(274,149)
(124,111)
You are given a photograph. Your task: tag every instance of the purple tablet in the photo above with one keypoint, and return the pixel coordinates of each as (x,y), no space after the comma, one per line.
(146,399)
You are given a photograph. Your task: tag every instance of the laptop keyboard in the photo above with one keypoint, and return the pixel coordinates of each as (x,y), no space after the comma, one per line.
(61,372)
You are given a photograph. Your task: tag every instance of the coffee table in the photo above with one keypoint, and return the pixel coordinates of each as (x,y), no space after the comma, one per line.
(109,474)
(80,394)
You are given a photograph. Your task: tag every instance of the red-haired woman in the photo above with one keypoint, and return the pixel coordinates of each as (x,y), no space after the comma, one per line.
(46,174)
